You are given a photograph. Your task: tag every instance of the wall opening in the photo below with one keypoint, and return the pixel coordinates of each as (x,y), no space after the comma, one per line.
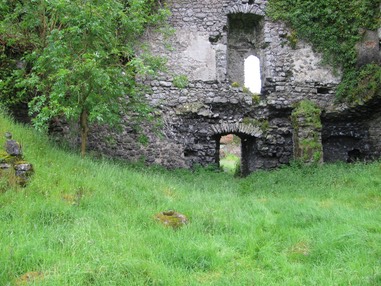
(253,74)
(242,146)
(229,157)
(245,38)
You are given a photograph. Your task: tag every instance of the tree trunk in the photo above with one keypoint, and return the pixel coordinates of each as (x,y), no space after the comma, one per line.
(84,130)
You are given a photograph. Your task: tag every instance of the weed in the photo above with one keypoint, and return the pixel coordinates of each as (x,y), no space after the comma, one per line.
(292,39)
(263,124)
(256,98)
(180,81)
(143,139)
(246,90)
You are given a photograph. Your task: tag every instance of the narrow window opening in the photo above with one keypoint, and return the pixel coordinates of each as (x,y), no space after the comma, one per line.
(189,153)
(322,90)
(253,74)
(230,154)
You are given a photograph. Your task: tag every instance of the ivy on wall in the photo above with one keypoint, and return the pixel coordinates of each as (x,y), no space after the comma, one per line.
(307,136)
(334,27)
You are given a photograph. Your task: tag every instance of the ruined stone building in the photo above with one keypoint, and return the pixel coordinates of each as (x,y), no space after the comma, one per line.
(202,96)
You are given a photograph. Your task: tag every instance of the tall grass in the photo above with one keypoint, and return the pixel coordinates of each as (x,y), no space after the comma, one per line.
(230,164)
(91,222)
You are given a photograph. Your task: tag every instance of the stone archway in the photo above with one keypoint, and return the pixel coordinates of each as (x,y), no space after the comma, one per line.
(248,134)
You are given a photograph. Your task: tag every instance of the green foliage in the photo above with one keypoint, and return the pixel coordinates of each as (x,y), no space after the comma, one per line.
(333,27)
(307,115)
(231,164)
(256,98)
(88,222)
(235,84)
(246,90)
(317,156)
(80,59)
(310,143)
(180,81)
(8,180)
(359,86)
(292,39)
(263,124)
(309,111)
(143,139)
(310,150)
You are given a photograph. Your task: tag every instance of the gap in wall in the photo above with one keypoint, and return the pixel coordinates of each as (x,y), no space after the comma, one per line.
(230,154)
(253,74)
(245,39)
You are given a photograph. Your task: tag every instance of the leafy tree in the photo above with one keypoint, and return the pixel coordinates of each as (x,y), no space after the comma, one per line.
(79,58)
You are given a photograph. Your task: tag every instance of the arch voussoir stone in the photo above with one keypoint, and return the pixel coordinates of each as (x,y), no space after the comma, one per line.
(246,9)
(238,128)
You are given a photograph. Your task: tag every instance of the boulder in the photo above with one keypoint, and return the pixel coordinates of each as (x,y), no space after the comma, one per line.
(23,171)
(13,148)
(171,218)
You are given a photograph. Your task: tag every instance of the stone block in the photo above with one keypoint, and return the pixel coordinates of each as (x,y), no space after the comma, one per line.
(13,148)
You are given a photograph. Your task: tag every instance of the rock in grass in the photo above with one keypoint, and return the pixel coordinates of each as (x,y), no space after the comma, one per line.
(13,148)
(24,171)
(30,278)
(12,159)
(171,218)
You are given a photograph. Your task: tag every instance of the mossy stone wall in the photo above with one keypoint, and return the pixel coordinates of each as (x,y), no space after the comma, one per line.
(308,147)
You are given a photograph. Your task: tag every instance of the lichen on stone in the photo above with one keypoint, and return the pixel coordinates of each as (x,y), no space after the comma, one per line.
(12,166)
(307,110)
(172,219)
(5,158)
(193,107)
(307,132)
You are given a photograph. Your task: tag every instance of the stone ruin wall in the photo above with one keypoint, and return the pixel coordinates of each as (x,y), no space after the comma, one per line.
(211,40)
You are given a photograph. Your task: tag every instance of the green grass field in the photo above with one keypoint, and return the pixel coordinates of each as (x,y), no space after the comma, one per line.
(91,222)
(230,164)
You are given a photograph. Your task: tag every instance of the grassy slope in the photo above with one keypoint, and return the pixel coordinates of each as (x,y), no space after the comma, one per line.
(87,222)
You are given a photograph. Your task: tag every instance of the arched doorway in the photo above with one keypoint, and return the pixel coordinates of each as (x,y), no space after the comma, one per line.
(240,162)
(248,135)
(230,154)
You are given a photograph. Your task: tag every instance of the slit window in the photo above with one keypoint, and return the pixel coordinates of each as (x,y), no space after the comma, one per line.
(253,74)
